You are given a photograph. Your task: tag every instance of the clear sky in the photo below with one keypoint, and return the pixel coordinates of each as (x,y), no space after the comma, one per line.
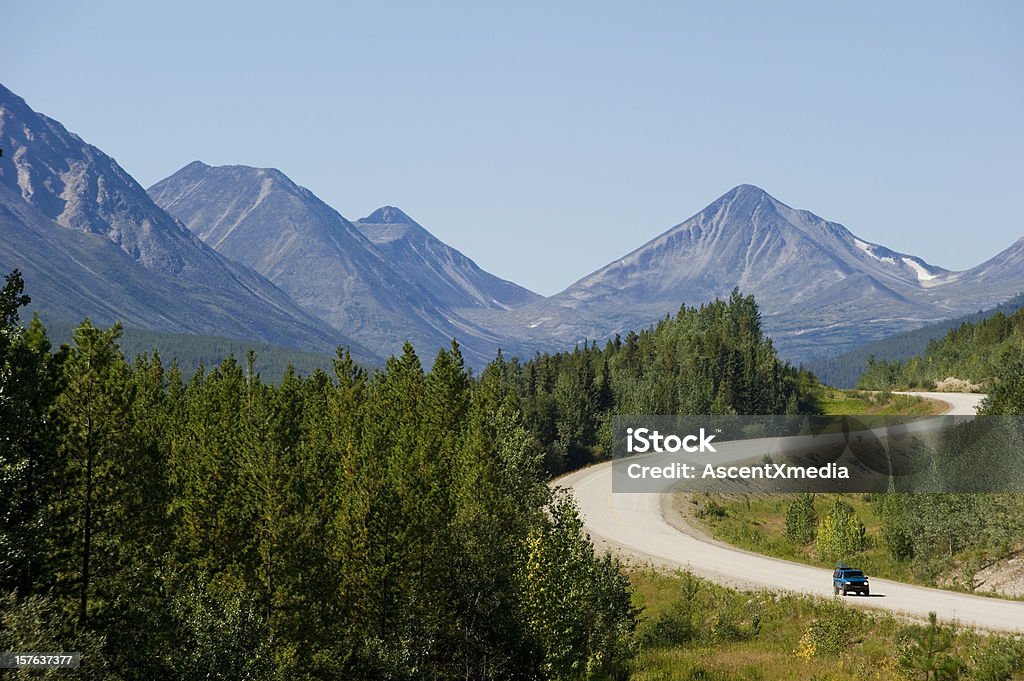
(545,139)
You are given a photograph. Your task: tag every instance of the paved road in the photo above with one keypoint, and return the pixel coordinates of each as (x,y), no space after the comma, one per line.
(635,525)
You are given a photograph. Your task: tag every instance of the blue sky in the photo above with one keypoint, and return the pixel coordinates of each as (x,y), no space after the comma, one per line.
(547,139)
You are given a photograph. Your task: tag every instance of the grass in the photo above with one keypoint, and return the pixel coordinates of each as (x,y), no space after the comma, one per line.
(756,523)
(692,629)
(862,403)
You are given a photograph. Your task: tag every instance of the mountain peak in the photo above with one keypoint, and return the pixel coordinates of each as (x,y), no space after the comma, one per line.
(747,189)
(91,242)
(745,194)
(742,202)
(388,215)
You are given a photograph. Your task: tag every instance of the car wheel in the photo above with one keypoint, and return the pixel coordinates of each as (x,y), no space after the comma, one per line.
(867,592)
(844,591)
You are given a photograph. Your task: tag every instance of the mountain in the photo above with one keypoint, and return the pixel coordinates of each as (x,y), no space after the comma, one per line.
(448,275)
(382,295)
(90,242)
(1002,275)
(748,239)
(821,289)
(250,254)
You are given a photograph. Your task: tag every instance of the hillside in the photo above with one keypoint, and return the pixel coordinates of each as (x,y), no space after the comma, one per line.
(192,351)
(977,352)
(843,371)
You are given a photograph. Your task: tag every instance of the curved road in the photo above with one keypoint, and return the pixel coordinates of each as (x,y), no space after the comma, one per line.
(635,525)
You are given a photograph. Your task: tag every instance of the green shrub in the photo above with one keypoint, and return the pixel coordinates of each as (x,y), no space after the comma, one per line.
(829,632)
(39,623)
(675,625)
(711,509)
(1000,659)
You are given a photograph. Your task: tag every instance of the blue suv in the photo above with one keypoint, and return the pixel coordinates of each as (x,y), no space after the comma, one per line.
(846,580)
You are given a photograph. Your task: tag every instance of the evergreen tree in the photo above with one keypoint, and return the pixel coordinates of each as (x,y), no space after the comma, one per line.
(929,655)
(30,382)
(1007,394)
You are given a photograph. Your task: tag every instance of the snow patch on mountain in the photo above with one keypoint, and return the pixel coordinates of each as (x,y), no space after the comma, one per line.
(923,275)
(869,249)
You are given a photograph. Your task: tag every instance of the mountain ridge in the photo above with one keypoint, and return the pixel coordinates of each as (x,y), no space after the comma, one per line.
(90,242)
(819,286)
(240,251)
(328,265)
(447,273)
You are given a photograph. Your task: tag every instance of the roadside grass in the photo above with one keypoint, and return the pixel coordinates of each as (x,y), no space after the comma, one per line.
(836,402)
(757,523)
(691,629)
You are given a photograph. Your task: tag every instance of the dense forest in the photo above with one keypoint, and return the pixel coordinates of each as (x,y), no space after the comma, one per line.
(337,525)
(980,352)
(843,371)
(711,359)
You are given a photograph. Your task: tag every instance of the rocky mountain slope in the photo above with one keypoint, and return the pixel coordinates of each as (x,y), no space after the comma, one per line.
(452,278)
(91,242)
(409,286)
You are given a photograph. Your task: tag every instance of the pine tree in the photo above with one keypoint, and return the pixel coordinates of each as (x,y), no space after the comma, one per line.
(30,381)
(97,445)
(929,653)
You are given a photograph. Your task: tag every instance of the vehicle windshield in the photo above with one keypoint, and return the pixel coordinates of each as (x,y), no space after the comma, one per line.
(852,573)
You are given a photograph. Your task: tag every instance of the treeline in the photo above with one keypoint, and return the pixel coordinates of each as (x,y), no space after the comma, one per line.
(711,359)
(394,526)
(977,352)
(190,352)
(943,533)
(844,370)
